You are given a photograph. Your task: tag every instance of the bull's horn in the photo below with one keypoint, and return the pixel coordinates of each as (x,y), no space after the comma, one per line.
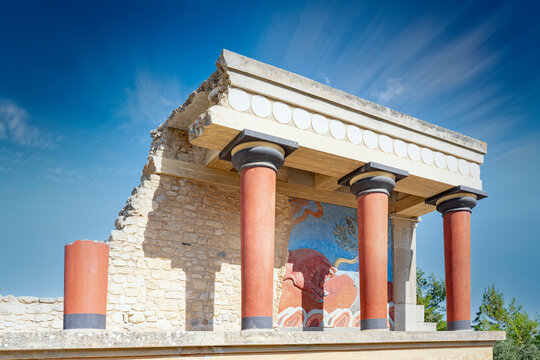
(346,261)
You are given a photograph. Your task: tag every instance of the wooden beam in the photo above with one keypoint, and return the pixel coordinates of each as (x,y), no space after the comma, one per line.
(410,205)
(297,176)
(182,169)
(404,203)
(177,168)
(415,185)
(212,161)
(418,210)
(325,182)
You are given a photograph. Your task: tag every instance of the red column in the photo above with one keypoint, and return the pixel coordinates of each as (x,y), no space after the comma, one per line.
(372,185)
(85,284)
(257,212)
(456,205)
(373,259)
(457,263)
(257,157)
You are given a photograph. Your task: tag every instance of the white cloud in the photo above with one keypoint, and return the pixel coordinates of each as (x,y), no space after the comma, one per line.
(15,127)
(149,101)
(326,79)
(394,87)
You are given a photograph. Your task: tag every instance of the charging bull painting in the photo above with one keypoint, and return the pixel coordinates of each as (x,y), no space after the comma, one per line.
(320,285)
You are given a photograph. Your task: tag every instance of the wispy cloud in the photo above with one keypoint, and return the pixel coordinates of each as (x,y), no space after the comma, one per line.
(394,88)
(92,176)
(150,101)
(325,78)
(439,67)
(16,128)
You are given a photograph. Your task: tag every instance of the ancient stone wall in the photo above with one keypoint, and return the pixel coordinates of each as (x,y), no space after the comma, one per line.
(29,313)
(174,256)
(175,253)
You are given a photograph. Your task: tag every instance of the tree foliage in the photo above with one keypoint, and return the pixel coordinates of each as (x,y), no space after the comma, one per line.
(522,332)
(491,315)
(431,292)
(509,350)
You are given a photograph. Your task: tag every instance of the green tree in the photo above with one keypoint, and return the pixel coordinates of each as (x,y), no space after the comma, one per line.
(520,327)
(431,292)
(509,350)
(492,315)
(523,338)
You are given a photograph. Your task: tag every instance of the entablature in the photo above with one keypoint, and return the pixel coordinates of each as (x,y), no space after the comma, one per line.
(336,132)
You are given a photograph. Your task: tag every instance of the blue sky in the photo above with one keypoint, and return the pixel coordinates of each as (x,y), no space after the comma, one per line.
(83,83)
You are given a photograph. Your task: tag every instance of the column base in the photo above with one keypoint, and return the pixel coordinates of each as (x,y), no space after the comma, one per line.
(257,322)
(84,321)
(459,325)
(374,324)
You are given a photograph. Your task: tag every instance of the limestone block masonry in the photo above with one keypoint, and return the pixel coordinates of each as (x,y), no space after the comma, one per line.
(29,313)
(309,345)
(175,253)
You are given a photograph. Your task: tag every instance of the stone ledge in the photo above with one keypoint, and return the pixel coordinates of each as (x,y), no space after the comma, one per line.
(234,62)
(92,339)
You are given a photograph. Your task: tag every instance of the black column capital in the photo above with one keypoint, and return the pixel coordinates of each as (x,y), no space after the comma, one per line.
(373,177)
(459,198)
(250,148)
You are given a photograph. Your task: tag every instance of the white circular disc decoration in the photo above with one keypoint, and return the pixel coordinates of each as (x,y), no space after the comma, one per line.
(451,162)
(440,160)
(239,99)
(427,156)
(463,166)
(319,124)
(337,129)
(354,134)
(301,118)
(475,170)
(282,112)
(385,143)
(370,139)
(414,152)
(400,148)
(260,106)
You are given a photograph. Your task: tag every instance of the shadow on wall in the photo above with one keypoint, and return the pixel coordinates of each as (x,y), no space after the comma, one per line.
(197,227)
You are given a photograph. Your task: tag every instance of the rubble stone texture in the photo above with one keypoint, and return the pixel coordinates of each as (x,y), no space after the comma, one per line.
(175,253)
(29,313)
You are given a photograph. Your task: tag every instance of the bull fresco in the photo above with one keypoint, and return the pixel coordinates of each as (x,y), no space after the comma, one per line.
(321,286)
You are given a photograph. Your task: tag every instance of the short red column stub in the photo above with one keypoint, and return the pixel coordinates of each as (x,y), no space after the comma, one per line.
(85,277)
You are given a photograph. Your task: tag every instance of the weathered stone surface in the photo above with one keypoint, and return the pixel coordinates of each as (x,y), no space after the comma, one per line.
(29,313)
(81,339)
(137,318)
(231,62)
(176,249)
(47,300)
(28,299)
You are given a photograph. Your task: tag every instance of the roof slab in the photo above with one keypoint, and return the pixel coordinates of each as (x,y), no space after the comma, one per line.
(337,132)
